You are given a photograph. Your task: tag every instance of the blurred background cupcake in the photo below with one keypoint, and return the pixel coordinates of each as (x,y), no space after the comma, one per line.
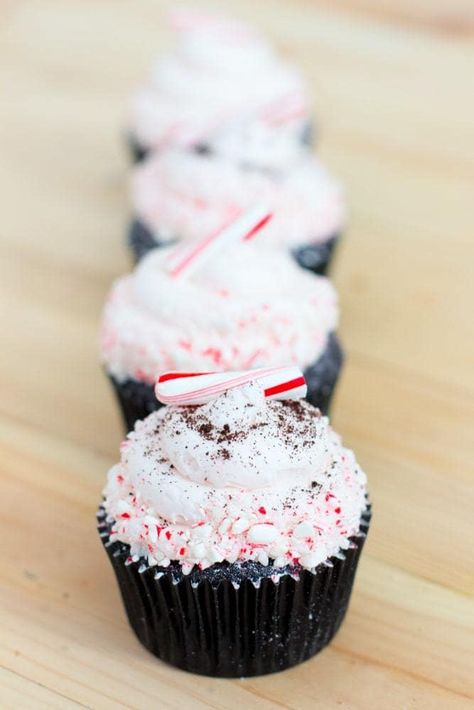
(234,529)
(243,307)
(221,89)
(178,195)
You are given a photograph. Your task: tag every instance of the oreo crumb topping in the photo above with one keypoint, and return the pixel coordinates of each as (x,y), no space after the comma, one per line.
(294,419)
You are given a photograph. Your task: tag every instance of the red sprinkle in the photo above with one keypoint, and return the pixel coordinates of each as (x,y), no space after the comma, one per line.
(213,353)
(182,551)
(142,376)
(337,510)
(262,510)
(168,535)
(125,515)
(120,478)
(185,344)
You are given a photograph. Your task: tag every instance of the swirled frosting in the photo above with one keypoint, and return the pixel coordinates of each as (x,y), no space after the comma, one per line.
(214,85)
(239,478)
(245,307)
(183,195)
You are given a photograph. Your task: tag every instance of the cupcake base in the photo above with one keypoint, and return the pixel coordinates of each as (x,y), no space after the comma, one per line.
(234,620)
(137,399)
(136,150)
(317,257)
(314,257)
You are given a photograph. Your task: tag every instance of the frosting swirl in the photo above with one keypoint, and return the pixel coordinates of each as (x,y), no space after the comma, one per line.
(245,307)
(183,195)
(215,82)
(239,478)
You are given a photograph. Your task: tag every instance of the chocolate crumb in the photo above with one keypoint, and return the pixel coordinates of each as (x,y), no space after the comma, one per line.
(205,429)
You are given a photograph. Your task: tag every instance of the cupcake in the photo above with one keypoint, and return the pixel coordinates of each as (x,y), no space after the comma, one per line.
(234,529)
(177,196)
(243,307)
(221,89)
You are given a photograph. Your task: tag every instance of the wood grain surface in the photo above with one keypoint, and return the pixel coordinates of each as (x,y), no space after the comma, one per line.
(390,83)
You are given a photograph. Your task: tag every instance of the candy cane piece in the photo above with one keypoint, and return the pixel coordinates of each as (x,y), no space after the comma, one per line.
(241,226)
(284,109)
(185,20)
(187,388)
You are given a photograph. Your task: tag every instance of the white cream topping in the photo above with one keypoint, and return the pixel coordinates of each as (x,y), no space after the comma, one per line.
(183,196)
(245,307)
(213,84)
(239,478)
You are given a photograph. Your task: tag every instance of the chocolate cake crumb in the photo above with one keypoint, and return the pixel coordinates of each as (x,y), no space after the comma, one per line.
(205,430)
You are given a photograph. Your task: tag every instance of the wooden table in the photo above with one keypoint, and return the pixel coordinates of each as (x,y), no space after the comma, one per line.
(390,90)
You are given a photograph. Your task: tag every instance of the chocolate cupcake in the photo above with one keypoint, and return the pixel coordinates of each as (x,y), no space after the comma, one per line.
(177,196)
(234,529)
(222,89)
(244,307)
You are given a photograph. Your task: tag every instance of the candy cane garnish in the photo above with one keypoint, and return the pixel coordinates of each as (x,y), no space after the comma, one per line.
(285,109)
(190,388)
(241,226)
(185,20)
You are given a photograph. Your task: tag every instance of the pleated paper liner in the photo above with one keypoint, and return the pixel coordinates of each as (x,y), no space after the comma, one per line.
(235,620)
(137,399)
(318,257)
(314,257)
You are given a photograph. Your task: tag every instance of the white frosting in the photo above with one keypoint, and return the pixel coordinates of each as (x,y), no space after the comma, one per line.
(239,478)
(214,83)
(183,195)
(245,307)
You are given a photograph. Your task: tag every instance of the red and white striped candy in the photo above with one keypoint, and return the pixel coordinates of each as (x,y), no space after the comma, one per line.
(241,226)
(185,20)
(285,109)
(189,388)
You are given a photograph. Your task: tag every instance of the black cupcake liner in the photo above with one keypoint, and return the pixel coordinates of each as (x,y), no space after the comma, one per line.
(314,257)
(136,150)
(317,257)
(234,620)
(137,399)
(139,152)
